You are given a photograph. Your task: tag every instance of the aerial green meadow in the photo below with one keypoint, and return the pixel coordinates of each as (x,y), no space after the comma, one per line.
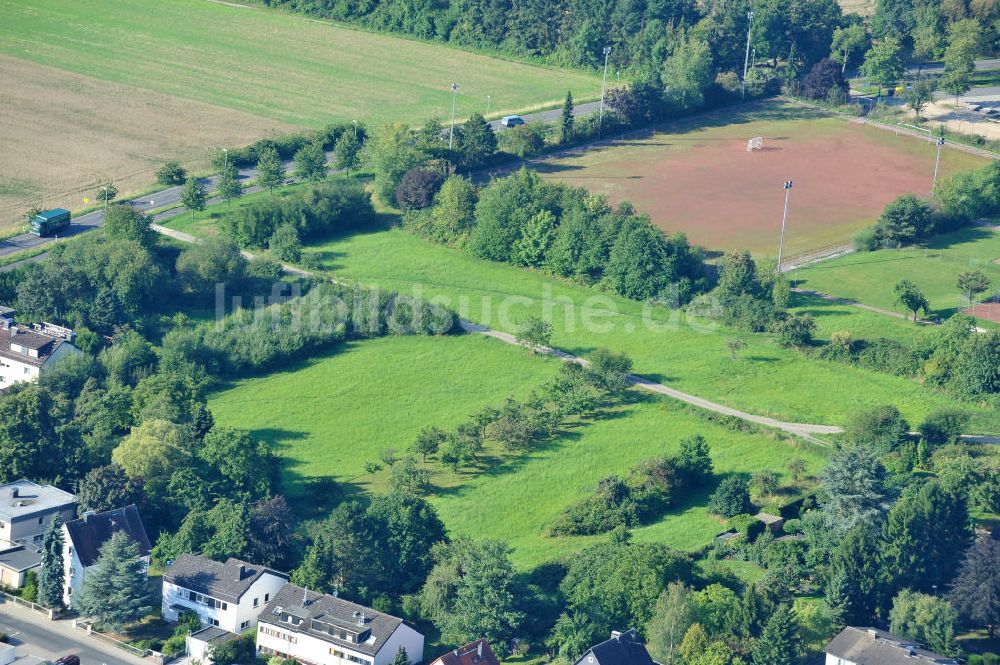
(681,351)
(868,277)
(335,413)
(293,69)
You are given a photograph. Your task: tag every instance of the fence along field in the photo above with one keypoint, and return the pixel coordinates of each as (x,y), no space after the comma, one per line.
(129,85)
(697,176)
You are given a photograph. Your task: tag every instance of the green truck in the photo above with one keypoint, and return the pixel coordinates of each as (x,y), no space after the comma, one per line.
(50,222)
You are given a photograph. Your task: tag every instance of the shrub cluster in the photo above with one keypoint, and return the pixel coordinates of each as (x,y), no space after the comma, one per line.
(961,200)
(249,340)
(315,211)
(651,488)
(288,144)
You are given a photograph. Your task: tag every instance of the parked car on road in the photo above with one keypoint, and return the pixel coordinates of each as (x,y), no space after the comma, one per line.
(511,121)
(69,660)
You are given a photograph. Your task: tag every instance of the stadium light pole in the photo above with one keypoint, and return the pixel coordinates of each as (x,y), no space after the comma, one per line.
(784,222)
(746,56)
(937,166)
(454,98)
(104,189)
(604,85)
(487,104)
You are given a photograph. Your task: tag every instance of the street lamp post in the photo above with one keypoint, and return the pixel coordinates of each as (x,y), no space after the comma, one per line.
(784,222)
(225,159)
(937,166)
(487,105)
(746,56)
(104,188)
(355,130)
(604,85)
(454,98)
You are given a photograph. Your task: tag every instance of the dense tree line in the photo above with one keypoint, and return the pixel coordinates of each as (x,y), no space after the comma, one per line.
(313,212)
(523,220)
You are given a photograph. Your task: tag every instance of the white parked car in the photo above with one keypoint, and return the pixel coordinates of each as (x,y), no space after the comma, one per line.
(511,121)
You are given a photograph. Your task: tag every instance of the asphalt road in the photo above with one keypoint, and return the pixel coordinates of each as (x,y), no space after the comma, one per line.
(172,195)
(34,635)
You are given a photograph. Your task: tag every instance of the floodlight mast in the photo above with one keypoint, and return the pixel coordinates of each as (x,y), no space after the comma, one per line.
(937,166)
(784,222)
(604,85)
(454,97)
(746,56)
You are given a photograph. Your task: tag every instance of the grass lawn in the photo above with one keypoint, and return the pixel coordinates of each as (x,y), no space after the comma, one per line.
(682,352)
(861,324)
(332,414)
(292,69)
(695,176)
(868,277)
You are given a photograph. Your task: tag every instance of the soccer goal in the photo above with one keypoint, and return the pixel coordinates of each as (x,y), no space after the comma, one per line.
(755,144)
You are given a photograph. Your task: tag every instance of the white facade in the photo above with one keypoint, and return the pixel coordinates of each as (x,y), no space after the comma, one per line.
(277,638)
(15,371)
(833,660)
(234,617)
(74,572)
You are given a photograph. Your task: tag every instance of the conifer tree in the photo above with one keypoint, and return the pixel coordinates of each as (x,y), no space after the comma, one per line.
(52,576)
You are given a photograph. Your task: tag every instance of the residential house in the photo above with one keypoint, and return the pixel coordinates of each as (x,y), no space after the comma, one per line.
(226,595)
(322,629)
(870,646)
(622,649)
(27,351)
(26,511)
(84,537)
(476,653)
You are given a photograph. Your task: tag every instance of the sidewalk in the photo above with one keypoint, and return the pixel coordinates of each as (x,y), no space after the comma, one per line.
(35,635)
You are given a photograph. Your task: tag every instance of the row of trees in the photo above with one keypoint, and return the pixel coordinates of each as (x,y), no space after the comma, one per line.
(523,220)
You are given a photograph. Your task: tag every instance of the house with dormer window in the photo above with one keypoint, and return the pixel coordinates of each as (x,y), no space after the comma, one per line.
(322,629)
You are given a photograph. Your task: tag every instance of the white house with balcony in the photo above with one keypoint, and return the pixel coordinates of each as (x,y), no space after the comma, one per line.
(226,595)
(321,629)
(84,537)
(27,351)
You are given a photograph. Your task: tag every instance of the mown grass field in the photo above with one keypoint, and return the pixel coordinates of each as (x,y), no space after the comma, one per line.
(868,277)
(95,91)
(334,413)
(695,176)
(273,65)
(682,352)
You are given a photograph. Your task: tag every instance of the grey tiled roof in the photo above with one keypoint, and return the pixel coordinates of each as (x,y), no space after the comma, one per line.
(870,646)
(20,558)
(330,611)
(88,533)
(622,649)
(224,581)
(31,499)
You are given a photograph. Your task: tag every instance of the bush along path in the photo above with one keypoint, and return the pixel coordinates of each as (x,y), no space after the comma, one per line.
(805,431)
